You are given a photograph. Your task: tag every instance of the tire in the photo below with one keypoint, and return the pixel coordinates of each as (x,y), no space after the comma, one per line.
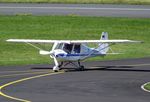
(81,68)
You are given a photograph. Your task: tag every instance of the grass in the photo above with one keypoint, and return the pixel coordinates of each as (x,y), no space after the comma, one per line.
(70,27)
(83,1)
(147,86)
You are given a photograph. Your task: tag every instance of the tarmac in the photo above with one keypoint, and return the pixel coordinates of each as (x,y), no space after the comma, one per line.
(103,10)
(102,81)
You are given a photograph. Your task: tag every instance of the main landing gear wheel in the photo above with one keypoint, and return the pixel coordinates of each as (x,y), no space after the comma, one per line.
(60,65)
(81,68)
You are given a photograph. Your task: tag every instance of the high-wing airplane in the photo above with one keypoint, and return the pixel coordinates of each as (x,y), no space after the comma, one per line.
(73,51)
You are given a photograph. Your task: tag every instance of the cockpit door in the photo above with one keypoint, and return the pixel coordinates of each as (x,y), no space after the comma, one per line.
(77,48)
(68,48)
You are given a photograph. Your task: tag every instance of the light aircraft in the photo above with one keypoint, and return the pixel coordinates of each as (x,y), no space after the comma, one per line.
(74,51)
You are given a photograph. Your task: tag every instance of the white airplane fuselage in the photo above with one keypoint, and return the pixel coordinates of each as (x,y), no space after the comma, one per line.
(82,53)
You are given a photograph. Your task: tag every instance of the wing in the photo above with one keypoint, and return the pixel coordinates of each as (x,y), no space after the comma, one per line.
(71,41)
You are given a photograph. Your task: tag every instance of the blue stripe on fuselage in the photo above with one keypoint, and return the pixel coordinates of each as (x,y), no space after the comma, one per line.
(73,55)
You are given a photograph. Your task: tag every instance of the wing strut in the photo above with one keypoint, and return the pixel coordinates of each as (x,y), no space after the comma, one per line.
(33,46)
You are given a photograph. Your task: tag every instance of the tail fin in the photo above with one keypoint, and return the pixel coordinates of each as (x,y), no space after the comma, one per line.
(104,36)
(104,47)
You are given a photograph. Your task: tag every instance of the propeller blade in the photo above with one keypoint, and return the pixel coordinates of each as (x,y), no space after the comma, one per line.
(42,52)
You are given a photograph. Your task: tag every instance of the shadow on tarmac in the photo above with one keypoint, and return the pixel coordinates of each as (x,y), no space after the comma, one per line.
(99,68)
(117,68)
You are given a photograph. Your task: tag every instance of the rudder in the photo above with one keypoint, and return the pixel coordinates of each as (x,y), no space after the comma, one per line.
(104,47)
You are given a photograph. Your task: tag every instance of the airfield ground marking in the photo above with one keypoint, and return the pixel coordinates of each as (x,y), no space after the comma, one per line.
(22,74)
(142,87)
(21,80)
(22,71)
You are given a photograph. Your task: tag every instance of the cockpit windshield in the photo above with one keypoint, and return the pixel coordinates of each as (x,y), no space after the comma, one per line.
(69,48)
(60,46)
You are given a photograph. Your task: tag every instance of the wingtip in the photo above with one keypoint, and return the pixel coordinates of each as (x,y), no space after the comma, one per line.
(140,41)
(8,40)
(137,41)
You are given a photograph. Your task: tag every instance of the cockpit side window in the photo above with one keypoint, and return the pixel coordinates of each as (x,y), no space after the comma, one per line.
(77,48)
(68,48)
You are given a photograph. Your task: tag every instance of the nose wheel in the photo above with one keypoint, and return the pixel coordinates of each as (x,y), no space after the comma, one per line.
(56,67)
